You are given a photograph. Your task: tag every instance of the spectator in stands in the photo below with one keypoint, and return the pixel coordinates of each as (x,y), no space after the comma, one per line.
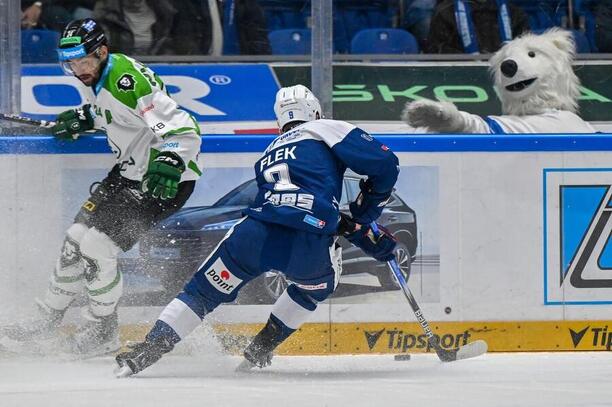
(201,18)
(156,27)
(191,27)
(418,19)
(603,25)
(483,26)
(53,14)
(252,29)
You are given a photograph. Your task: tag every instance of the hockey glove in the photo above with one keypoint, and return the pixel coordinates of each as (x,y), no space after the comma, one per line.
(163,176)
(381,247)
(369,204)
(346,225)
(72,122)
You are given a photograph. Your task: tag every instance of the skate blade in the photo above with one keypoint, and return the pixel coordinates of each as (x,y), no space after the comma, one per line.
(31,347)
(122,372)
(101,350)
(245,366)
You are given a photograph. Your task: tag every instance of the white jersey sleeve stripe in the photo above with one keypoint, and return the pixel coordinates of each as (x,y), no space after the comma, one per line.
(331,132)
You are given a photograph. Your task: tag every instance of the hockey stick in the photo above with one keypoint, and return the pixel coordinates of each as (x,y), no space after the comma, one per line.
(467,351)
(43,125)
(26,120)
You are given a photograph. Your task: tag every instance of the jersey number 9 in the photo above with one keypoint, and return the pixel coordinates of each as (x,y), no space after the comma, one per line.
(279,176)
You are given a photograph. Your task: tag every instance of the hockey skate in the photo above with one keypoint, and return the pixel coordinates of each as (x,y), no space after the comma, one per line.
(254,358)
(42,326)
(99,336)
(141,356)
(259,352)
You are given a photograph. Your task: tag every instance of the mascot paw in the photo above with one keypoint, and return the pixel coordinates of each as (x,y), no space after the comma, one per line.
(435,116)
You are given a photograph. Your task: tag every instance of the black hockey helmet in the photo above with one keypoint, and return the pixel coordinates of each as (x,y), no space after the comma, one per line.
(80,38)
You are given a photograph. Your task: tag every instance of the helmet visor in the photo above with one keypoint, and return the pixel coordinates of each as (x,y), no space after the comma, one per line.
(75,61)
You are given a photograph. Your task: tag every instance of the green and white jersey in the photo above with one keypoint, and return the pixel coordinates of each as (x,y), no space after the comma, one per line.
(132,105)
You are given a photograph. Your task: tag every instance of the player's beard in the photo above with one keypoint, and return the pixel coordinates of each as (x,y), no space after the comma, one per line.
(91,78)
(88,79)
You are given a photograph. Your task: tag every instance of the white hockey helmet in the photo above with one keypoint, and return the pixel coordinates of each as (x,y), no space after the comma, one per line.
(296,103)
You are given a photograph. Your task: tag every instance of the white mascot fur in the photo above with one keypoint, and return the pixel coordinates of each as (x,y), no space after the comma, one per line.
(536,84)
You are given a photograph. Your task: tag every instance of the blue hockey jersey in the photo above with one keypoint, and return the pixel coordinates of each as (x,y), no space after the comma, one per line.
(300,174)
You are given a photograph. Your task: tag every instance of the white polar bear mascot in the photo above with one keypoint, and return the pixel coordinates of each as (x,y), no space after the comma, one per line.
(536,84)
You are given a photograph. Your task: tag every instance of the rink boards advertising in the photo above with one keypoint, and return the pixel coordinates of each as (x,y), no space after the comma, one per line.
(510,237)
(362,92)
(490,263)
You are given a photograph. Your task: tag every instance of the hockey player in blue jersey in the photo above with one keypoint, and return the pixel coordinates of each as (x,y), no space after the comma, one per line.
(292,226)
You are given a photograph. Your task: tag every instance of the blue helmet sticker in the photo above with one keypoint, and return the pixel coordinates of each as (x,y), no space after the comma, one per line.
(89,25)
(71,53)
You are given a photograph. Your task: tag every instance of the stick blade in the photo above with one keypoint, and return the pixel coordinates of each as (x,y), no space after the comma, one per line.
(245,366)
(468,351)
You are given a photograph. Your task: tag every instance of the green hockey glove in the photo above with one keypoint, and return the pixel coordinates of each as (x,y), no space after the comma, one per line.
(72,122)
(163,176)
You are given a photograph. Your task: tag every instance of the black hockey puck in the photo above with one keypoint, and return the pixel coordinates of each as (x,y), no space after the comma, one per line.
(403,356)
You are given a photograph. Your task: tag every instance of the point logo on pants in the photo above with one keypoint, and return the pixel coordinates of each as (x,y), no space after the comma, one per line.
(221,278)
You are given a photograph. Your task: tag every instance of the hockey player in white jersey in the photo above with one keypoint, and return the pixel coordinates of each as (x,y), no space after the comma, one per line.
(291,226)
(156,146)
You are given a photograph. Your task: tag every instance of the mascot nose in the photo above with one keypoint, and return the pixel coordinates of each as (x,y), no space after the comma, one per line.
(509,68)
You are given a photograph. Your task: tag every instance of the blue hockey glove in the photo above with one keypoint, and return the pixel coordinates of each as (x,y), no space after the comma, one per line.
(163,176)
(72,122)
(381,247)
(346,225)
(369,204)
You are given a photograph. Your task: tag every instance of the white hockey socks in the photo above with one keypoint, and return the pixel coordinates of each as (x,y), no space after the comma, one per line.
(67,280)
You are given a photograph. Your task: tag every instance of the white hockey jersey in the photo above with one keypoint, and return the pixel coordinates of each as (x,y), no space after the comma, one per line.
(131,104)
(551,121)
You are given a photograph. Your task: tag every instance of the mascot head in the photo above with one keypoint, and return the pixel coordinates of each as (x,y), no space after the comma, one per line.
(534,73)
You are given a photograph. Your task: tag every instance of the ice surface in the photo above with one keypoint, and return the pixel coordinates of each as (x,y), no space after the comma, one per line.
(493,380)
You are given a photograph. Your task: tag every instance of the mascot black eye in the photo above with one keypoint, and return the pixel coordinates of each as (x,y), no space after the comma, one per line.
(531,54)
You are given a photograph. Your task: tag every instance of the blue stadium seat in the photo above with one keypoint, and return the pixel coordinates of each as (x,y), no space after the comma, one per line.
(283,14)
(38,46)
(540,20)
(351,16)
(589,28)
(543,14)
(583,5)
(384,41)
(582,42)
(230,31)
(580,39)
(584,10)
(296,14)
(290,41)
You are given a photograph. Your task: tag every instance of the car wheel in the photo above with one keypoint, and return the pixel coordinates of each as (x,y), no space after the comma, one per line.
(404,261)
